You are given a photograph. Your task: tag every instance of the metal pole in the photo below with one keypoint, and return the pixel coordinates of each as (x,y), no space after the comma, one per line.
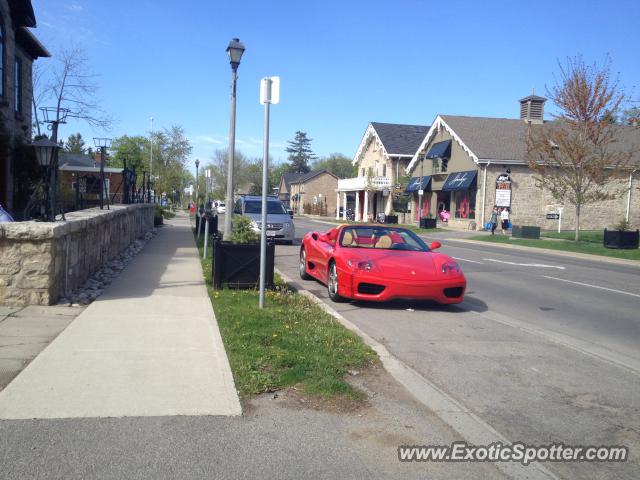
(232,146)
(629,195)
(52,174)
(101,178)
(151,152)
(265,169)
(206,236)
(197,204)
(559,219)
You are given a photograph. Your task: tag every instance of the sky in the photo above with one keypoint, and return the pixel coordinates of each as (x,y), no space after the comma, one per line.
(342,64)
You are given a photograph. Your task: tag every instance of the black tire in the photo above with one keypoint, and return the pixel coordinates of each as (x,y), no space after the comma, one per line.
(302,265)
(332,284)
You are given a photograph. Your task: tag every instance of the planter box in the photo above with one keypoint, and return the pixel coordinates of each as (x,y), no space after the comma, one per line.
(391,219)
(620,239)
(519,231)
(238,265)
(428,223)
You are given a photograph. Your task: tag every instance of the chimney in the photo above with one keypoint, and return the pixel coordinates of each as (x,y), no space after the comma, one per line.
(532,108)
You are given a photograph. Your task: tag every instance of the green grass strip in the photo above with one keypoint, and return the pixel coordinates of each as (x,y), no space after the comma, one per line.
(587,247)
(290,342)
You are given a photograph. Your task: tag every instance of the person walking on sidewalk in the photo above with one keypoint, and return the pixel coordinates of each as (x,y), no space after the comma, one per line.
(504,216)
(494,220)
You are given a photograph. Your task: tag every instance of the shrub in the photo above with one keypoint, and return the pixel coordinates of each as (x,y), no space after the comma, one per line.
(242,231)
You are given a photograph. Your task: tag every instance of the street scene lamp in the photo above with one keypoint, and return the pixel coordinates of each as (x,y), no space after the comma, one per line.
(197,165)
(103,144)
(45,151)
(235,51)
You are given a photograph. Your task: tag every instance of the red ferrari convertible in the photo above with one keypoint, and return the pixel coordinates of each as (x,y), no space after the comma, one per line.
(380,263)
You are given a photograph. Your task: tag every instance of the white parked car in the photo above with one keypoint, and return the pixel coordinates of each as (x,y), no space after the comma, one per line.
(221,207)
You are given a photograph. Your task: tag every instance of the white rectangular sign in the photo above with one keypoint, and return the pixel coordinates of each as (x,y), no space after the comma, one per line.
(270,90)
(503,197)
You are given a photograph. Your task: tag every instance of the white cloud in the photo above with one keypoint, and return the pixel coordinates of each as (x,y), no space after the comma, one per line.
(74,7)
(208,139)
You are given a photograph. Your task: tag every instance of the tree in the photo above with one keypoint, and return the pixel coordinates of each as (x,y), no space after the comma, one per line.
(75,144)
(338,164)
(218,166)
(300,153)
(134,150)
(71,87)
(171,150)
(575,157)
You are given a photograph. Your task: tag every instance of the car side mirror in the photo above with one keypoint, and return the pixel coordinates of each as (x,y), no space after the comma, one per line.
(290,212)
(435,245)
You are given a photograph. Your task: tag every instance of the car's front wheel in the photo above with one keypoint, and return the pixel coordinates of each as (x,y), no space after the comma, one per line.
(333,285)
(302,266)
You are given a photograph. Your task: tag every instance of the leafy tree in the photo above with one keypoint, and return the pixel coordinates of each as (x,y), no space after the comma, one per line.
(171,150)
(134,150)
(576,157)
(300,153)
(219,169)
(75,144)
(338,164)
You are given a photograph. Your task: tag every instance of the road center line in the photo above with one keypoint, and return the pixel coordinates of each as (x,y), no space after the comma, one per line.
(538,265)
(467,260)
(593,286)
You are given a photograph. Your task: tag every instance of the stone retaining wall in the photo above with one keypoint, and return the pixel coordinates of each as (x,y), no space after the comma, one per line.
(41,261)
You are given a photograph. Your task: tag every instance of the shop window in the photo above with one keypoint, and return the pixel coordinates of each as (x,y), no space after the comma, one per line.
(465,204)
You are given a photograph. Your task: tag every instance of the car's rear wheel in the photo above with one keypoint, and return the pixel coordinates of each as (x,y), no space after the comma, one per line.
(302,266)
(332,283)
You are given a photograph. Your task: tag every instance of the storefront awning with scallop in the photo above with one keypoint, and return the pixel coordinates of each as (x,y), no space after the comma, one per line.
(418,183)
(460,181)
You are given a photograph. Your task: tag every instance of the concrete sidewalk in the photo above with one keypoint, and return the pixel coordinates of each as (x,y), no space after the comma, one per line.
(149,346)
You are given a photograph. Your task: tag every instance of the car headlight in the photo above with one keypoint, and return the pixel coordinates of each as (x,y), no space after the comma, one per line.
(451,267)
(364,265)
(287,224)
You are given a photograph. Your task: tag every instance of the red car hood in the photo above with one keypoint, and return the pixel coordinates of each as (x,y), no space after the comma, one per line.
(401,265)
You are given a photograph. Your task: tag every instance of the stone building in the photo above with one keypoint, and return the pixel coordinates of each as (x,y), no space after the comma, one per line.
(314,193)
(467,165)
(19,48)
(382,157)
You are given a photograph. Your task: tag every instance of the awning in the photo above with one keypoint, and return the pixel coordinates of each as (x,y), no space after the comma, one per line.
(440,150)
(418,183)
(459,181)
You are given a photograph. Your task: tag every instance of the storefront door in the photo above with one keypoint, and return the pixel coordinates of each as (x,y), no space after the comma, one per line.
(444,201)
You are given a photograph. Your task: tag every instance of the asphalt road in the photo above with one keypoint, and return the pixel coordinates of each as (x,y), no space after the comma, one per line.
(544,348)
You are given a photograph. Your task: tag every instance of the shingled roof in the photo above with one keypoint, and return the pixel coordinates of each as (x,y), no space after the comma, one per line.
(305,177)
(399,139)
(492,138)
(504,139)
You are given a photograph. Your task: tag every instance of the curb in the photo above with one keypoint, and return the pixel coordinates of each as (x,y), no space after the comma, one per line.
(470,426)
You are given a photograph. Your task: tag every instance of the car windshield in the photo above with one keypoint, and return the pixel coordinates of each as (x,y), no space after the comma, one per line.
(382,237)
(273,208)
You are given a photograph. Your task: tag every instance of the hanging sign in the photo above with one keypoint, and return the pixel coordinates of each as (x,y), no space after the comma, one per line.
(503,191)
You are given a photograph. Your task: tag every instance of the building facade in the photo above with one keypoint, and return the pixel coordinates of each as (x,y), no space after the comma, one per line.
(382,158)
(18,50)
(313,193)
(468,165)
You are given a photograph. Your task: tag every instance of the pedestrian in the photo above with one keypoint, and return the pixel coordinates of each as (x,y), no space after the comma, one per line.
(504,216)
(494,220)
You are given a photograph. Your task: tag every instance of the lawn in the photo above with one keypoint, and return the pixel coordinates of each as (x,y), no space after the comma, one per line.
(588,246)
(590,236)
(291,342)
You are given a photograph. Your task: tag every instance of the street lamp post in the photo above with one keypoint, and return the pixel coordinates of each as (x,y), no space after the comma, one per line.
(197,165)
(235,51)
(46,152)
(102,144)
